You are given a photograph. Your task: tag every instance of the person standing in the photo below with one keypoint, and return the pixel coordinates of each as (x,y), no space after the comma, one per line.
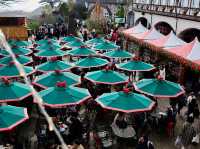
(114,36)
(85,36)
(162,72)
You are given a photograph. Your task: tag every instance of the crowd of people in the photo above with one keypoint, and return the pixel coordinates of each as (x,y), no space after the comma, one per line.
(50,30)
(90,126)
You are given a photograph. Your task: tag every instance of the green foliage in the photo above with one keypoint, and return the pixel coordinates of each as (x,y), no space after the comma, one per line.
(91,24)
(120,11)
(33,24)
(64,9)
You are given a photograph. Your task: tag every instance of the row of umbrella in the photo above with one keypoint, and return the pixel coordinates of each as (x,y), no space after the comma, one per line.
(153,87)
(62,96)
(59,91)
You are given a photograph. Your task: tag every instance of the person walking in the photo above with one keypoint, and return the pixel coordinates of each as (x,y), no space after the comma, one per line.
(187,134)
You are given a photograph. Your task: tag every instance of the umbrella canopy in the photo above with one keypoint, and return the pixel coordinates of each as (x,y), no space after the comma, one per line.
(11,116)
(22,59)
(17,51)
(118,54)
(46,41)
(54,65)
(69,38)
(49,46)
(13,91)
(61,96)
(135,66)
(19,43)
(159,88)
(90,62)
(125,102)
(50,79)
(12,71)
(106,46)
(106,77)
(95,41)
(82,51)
(76,43)
(50,53)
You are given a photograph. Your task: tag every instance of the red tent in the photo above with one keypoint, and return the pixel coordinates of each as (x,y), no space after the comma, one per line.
(189,51)
(138,29)
(151,34)
(169,41)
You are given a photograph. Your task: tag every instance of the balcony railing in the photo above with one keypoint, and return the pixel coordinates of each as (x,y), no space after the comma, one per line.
(173,11)
(108,1)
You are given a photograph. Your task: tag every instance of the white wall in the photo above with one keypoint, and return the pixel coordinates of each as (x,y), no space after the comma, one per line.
(182,24)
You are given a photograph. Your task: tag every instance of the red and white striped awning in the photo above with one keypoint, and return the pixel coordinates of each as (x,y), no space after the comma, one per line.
(189,51)
(169,41)
(138,29)
(151,34)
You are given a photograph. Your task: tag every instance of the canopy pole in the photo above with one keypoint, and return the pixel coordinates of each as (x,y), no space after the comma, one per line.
(181,74)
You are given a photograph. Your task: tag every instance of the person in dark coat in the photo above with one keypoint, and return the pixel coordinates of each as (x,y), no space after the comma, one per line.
(85,36)
(75,130)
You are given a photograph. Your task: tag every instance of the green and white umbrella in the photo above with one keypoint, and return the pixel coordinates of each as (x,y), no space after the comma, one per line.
(49,46)
(53,65)
(127,102)
(69,38)
(91,62)
(46,41)
(24,60)
(76,44)
(82,51)
(50,79)
(106,77)
(118,54)
(106,46)
(17,51)
(19,43)
(11,116)
(95,41)
(13,91)
(135,66)
(11,71)
(50,53)
(159,88)
(62,95)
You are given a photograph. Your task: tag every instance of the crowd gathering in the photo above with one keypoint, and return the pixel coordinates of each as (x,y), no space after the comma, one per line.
(90,126)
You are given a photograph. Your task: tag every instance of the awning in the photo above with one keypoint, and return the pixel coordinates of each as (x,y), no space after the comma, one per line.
(169,41)
(189,51)
(152,34)
(136,29)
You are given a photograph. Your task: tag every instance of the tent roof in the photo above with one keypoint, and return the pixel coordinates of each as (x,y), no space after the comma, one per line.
(189,51)
(149,35)
(139,28)
(169,41)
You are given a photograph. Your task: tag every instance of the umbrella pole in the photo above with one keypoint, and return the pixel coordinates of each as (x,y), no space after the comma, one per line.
(133,76)
(136,76)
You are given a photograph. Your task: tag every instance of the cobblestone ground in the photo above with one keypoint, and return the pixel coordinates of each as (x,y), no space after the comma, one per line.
(162,142)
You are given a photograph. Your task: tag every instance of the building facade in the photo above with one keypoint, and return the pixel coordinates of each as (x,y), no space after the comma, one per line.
(14,27)
(110,6)
(180,16)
